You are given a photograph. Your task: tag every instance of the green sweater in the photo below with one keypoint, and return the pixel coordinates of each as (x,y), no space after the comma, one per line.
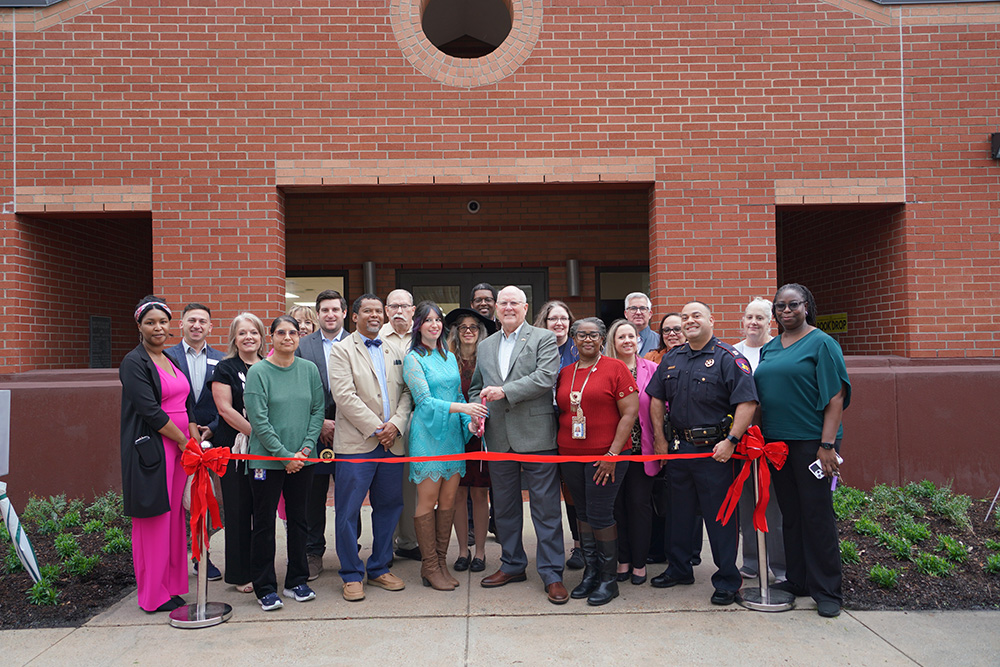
(285,409)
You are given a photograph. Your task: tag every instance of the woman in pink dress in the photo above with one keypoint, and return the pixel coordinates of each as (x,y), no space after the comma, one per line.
(156,421)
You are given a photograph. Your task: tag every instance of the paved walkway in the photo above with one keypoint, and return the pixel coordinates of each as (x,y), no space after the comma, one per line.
(511,625)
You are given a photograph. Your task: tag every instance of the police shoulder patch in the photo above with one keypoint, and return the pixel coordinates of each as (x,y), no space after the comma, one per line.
(740,360)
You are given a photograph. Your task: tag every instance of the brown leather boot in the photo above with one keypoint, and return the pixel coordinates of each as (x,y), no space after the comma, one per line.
(430,568)
(443,521)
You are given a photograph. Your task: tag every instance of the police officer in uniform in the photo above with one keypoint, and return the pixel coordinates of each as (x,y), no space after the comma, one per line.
(710,392)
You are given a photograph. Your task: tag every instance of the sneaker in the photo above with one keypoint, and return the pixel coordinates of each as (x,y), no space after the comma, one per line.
(315,566)
(828,608)
(212,573)
(576,560)
(747,573)
(354,591)
(301,593)
(270,602)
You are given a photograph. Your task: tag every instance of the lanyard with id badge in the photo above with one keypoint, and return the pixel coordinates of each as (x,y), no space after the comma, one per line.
(579,421)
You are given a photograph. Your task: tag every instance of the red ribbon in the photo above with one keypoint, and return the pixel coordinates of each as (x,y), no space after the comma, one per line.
(489,456)
(752,447)
(198,462)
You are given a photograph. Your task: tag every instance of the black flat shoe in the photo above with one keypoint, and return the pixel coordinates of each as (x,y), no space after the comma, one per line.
(462,563)
(622,576)
(169,605)
(638,580)
(477,565)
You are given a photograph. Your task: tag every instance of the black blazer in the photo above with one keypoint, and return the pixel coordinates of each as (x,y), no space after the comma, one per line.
(311,348)
(144,487)
(205,412)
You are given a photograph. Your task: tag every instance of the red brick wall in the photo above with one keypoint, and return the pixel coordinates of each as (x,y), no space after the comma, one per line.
(70,270)
(606,228)
(852,260)
(198,102)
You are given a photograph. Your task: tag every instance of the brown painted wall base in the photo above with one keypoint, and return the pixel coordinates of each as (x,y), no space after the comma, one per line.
(908,420)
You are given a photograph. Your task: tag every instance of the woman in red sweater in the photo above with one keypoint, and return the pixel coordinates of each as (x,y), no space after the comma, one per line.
(598,403)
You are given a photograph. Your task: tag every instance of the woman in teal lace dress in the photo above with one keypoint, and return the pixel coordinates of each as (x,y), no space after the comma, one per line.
(439,425)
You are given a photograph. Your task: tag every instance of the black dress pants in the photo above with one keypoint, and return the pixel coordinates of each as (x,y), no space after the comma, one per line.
(266,492)
(634,515)
(238,500)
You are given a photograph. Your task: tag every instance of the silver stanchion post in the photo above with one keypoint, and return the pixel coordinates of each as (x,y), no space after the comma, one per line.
(763,597)
(202,614)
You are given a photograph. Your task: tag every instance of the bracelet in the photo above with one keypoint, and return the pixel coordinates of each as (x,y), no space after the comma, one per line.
(611,453)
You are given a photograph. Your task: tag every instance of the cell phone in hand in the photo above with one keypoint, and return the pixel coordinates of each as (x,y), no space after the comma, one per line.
(816,468)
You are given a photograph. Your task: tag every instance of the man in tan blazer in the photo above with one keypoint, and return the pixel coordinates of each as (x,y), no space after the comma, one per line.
(373,411)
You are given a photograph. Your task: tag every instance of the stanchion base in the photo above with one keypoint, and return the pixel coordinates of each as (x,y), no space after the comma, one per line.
(751,598)
(187,616)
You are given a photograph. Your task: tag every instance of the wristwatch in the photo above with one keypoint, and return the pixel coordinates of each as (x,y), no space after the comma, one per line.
(733,439)
(827,445)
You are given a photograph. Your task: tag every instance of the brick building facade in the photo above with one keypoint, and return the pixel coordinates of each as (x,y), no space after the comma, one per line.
(200,150)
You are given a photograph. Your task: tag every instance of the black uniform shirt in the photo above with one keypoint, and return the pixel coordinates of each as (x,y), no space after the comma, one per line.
(702,386)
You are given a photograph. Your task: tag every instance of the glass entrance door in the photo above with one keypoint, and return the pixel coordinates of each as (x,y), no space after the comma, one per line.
(452,288)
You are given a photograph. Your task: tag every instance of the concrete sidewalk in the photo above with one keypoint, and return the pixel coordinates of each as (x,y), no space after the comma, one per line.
(510,625)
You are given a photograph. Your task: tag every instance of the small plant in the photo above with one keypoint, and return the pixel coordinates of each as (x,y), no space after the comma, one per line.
(923,489)
(79,565)
(993,545)
(11,563)
(914,531)
(883,498)
(4,535)
(108,508)
(996,518)
(36,510)
(76,505)
(848,501)
(866,525)
(953,507)
(50,572)
(66,545)
(953,550)
(43,593)
(883,576)
(849,552)
(116,541)
(992,565)
(933,565)
(70,519)
(900,547)
(93,526)
(48,527)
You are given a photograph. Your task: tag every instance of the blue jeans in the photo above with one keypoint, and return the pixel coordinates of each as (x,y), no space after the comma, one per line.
(383,483)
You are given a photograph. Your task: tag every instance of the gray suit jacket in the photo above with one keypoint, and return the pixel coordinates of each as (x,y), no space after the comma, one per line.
(311,348)
(524,420)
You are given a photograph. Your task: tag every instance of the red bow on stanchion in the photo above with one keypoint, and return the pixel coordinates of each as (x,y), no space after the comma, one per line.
(198,462)
(752,447)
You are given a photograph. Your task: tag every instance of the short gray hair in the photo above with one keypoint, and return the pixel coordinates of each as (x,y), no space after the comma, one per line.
(639,295)
(601,327)
(763,305)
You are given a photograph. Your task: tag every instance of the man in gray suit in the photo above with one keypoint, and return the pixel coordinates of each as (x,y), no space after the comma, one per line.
(515,370)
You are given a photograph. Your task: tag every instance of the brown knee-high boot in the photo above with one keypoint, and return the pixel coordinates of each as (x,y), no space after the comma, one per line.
(443,522)
(430,569)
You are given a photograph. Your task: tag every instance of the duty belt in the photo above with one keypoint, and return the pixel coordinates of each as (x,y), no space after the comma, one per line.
(704,435)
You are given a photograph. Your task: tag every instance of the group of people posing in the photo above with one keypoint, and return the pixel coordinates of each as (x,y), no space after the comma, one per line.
(430,384)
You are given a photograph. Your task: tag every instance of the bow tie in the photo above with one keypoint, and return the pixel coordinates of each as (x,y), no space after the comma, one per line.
(373,343)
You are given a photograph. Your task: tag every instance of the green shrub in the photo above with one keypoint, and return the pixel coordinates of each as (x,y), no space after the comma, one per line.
(108,508)
(883,576)
(50,572)
(849,552)
(914,531)
(48,527)
(11,563)
(993,545)
(76,505)
(36,511)
(953,550)
(43,593)
(992,565)
(848,501)
(116,541)
(883,497)
(4,535)
(953,507)
(933,565)
(70,519)
(923,489)
(93,526)
(900,547)
(996,517)
(66,545)
(79,565)
(866,525)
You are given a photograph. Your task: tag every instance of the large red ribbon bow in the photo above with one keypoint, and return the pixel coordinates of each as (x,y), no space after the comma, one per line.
(198,462)
(752,447)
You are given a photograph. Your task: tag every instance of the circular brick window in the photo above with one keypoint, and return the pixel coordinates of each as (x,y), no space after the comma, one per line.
(467,50)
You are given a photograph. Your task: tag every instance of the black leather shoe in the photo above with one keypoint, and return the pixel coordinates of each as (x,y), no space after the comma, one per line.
(638,580)
(622,576)
(723,598)
(477,565)
(695,561)
(789,587)
(412,554)
(827,608)
(666,581)
(462,563)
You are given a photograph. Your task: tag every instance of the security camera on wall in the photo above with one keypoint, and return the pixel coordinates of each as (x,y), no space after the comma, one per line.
(472,206)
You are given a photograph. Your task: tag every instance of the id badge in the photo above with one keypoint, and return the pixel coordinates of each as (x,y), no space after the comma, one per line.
(579,427)
(260,474)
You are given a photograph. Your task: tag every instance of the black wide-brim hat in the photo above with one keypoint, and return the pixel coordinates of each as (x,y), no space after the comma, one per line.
(458,313)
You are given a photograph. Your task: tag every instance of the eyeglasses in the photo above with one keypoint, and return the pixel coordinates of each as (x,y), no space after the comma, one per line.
(557,319)
(509,304)
(281,333)
(665,330)
(483,299)
(398,306)
(588,335)
(791,305)
(465,328)
(637,309)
